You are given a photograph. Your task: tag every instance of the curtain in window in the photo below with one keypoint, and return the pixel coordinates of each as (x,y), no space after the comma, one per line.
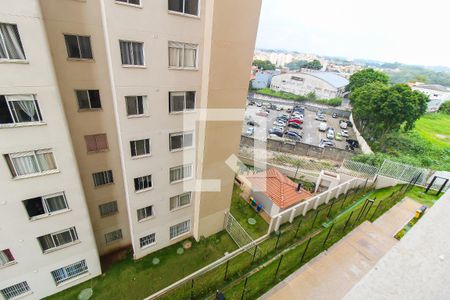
(25,165)
(190,56)
(12,41)
(185,199)
(175,57)
(141,214)
(5,257)
(191,7)
(187,140)
(28,107)
(176,142)
(46,161)
(131,105)
(85,46)
(56,203)
(46,242)
(176,102)
(138,54)
(125,51)
(175,174)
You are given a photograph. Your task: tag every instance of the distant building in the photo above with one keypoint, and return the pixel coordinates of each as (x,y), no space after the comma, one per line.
(263,79)
(437,94)
(323,84)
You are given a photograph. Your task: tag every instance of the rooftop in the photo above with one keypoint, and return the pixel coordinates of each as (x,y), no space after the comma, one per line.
(332,78)
(433,87)
(278,187)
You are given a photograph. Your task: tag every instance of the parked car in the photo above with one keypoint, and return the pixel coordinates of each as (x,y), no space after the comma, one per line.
(289,110)
(330,133)
(279,108)
(278,133)
(262,113)
(349,123)
(352,143)
(321,118)
(334,115)
(250,131)
(292,132)
(297,116)
(326,143)
(323,126)
(295,125)
(294,120)
(279,123)
(259,104)
(338,136)
(344,133)
(252,123)
(282,118)
(291,135)
(343,125)
(251,103)
(278,128)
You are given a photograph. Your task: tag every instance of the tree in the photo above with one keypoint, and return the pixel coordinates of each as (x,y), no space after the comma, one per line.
(264,64)
(313,65)
(445,108)
(296,64)
(366,76)
(379,109)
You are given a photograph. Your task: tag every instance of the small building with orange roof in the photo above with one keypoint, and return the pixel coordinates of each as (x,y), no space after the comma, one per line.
(275,191)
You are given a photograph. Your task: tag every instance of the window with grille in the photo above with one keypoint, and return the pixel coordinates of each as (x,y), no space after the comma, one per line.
(145,213)
(31,162)
(16,290)
(6,257)
(180,229)
(181,200)
(113,236)
(10,44)
(103,178)
(189,7)
(134,2)
(78,46)
(108,209)
(182,55)
(19,109)
(45,205)
(132,53)
(180,140)
(68,272)
(147,240)
(58,239)
(88,99)
(143,183)
(96,142)
(180,173)
(135,105)
(181,101)
(140,147)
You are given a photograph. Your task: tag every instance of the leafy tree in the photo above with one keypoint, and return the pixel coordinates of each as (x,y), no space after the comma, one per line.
(313,65)
(264,64)
(296,64)
(366,76)
(445,108)
(311,96)
(380,109)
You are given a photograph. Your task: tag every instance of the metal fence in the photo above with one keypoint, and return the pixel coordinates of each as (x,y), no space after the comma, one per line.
(404,172)
(237,232)
(358,169)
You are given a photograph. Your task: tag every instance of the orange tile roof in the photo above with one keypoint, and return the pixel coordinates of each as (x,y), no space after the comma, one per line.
(278,187)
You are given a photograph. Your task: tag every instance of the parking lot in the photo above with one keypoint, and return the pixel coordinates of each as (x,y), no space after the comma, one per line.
(310,132)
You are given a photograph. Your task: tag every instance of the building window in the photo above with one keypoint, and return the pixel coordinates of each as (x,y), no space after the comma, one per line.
(189,7)
(15,291)
(181,101)
(140,147)
(113,236)
(70,271)
(108,209)
(145,213)
(180,140)
(147,240)
(180,172)
(134,2)
(45,205)
(180,229)
(58,239)
(179,201)
(6,257)
(18,109)
(143,183)
(88,99)
(78,46)
(182,55)
(10,44)
(32,162)
(103,178)
(132,53)
(96,142)
(135,105)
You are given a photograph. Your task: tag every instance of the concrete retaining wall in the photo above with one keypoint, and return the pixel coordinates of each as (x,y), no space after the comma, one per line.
(365,148)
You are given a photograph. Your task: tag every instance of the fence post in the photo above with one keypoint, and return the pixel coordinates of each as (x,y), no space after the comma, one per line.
(326,238)
(375,211)
(343,201)
(278,239)
(226,270)
(370,207)
(278,268)
(331,206)
(348,220)
(192,289)
(360,212)
(254,254)
(298,227)
(245,286)
(365,184)
(315,217)
(304,252)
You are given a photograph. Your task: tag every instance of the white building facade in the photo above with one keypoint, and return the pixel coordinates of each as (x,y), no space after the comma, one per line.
(437,95)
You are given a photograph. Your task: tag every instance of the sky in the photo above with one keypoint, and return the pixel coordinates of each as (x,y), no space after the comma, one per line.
(411,32)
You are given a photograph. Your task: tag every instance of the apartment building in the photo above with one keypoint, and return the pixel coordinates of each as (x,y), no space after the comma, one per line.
(126,100)
(46,238)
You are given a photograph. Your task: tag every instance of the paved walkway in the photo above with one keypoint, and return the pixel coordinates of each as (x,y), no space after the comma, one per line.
(333,273)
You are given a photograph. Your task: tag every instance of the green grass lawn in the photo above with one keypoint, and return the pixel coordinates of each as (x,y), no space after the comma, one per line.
(241,210)
(130,279)
(435,128)
(418,193)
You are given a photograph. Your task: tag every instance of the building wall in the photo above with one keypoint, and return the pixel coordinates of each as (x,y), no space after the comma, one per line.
(321,88)
(36,76)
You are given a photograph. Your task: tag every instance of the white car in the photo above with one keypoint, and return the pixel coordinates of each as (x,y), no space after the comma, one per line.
(279,123)
(323,126)
(250,131)
(330,134)
(344,133)
(343,125)
(258,104)
(297,115)
(279,128)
